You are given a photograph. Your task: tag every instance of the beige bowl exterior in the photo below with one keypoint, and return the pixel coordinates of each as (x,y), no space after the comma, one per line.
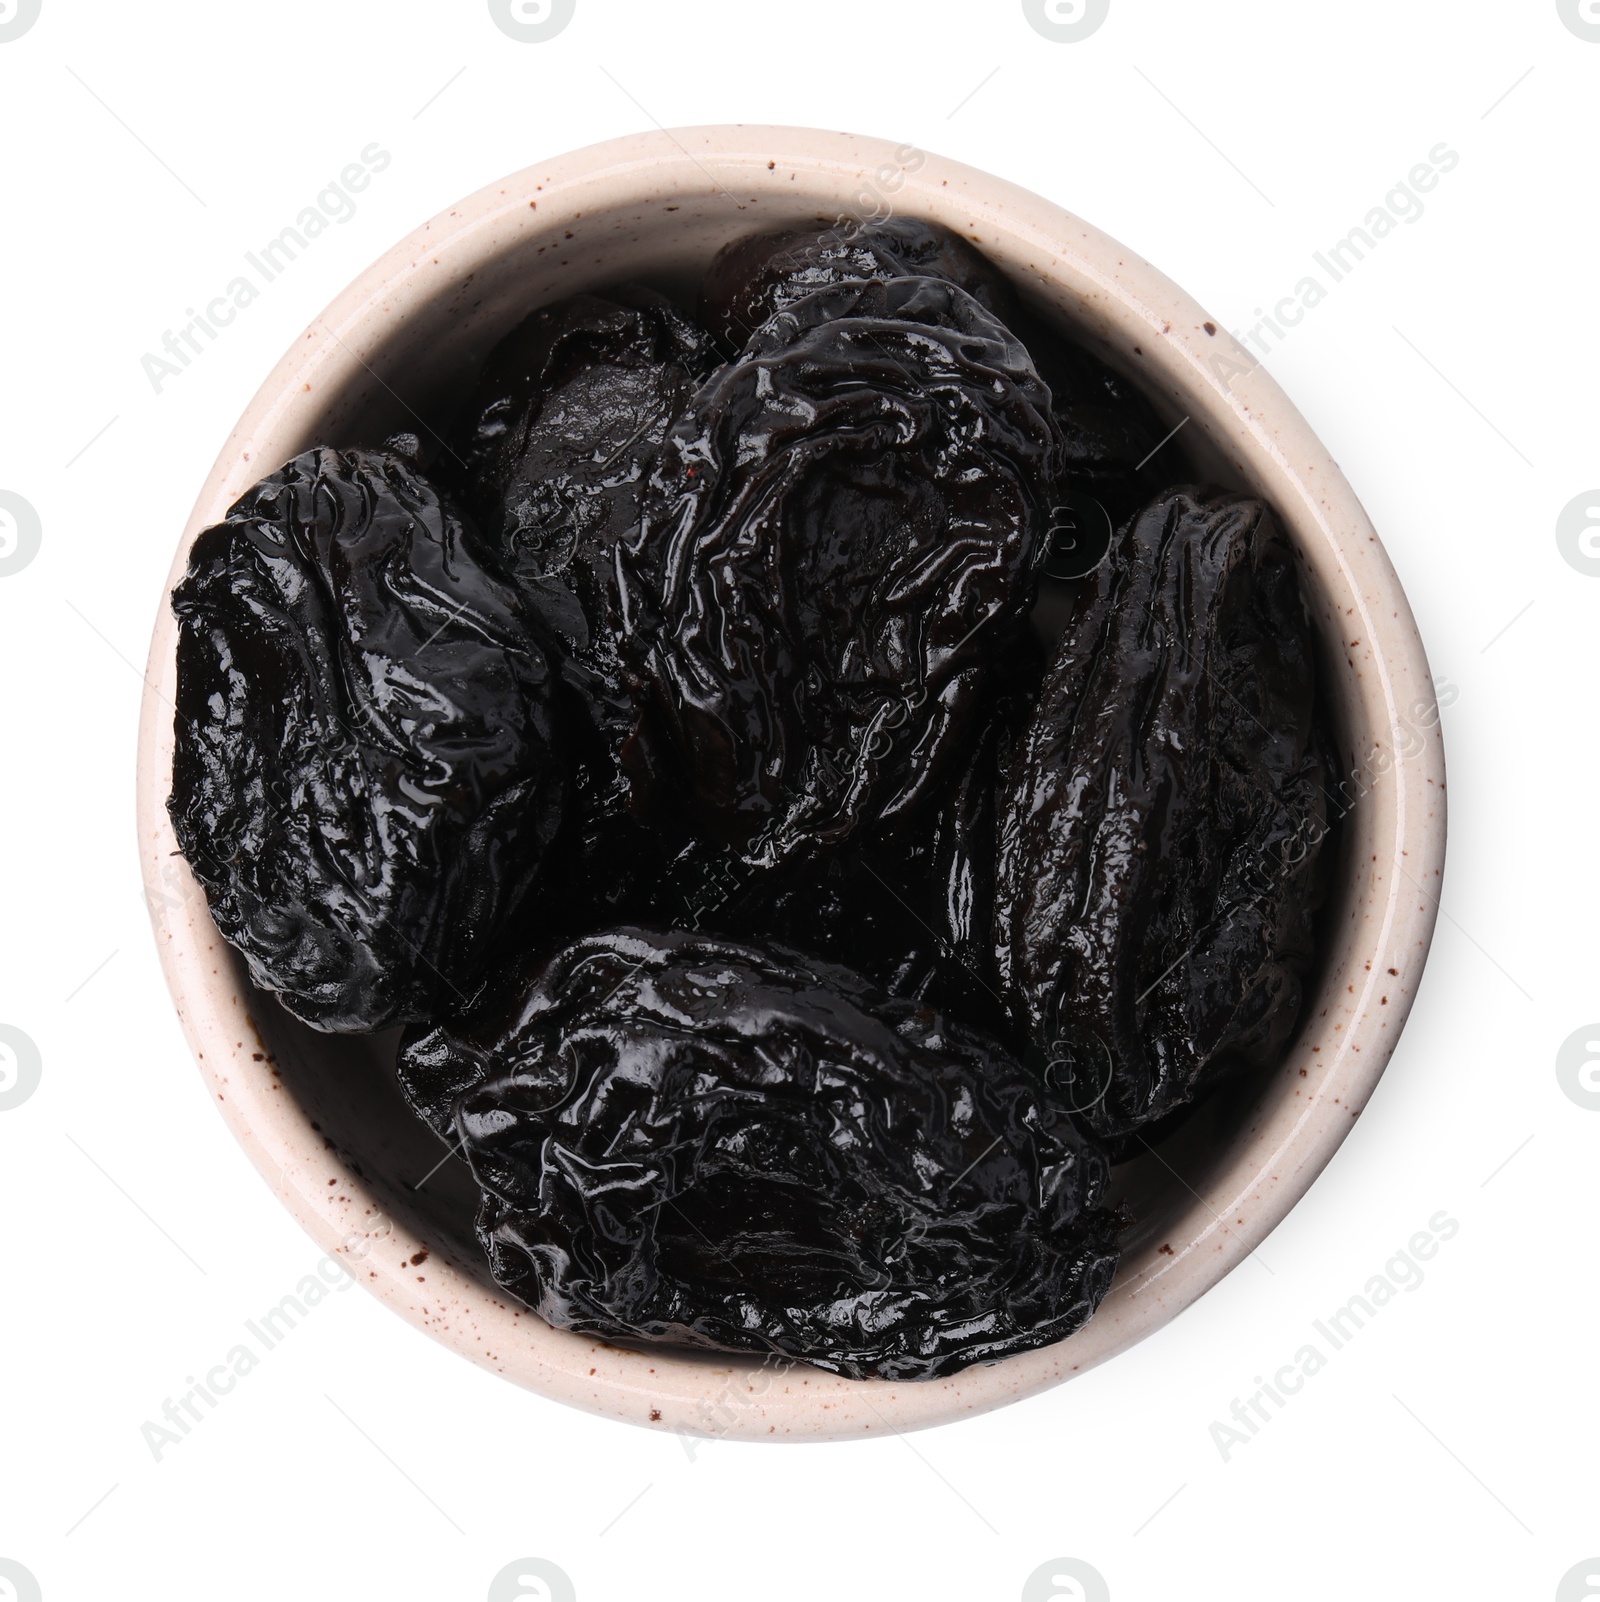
(317,1114)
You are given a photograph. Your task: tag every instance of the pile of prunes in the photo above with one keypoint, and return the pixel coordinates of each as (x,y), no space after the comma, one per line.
(791,922)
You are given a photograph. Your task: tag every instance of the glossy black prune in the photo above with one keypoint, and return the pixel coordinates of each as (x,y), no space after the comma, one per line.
(686,1140)
(1164,817)
(1112,438)
(363,778)
(898,911)
(840,532)
(558,441)
(753,278)
(561,434)
(912,911)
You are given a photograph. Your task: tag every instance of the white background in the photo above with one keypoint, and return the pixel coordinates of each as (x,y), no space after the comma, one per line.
(1444,1451)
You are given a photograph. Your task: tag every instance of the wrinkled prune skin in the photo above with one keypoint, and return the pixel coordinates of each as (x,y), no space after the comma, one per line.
(568,417)
(558,441)
(902,912)
(1112,437)
(686,1140)
(840,532)
(753,278)
(1163,819)
(912,911)
(364,778)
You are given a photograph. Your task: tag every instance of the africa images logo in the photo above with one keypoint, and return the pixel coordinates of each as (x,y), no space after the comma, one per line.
(1066,1580)
(1578,533)
(17,1584)
(1578,1067)
(1065,21)
(532,21)
(17,17)
(21,1068)
(532,1579)
(1582,18)
(20,533)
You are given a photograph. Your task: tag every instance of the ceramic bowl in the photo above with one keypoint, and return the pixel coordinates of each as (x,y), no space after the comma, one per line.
(320,1115)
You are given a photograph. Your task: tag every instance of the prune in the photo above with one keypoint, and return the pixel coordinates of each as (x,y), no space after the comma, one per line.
(566,422)
(1112,437)
(1164,816)
(899,911)
(688,1140)
(755,277)
(912,911)
(840,531)
(364,778)
(560,436)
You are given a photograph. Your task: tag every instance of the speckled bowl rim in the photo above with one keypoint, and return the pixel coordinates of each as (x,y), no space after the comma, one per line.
(1342,1049)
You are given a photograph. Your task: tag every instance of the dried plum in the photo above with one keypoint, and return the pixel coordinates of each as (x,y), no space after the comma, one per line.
(912,911)
(364,777)
(755,277)
(840,532)
(559,439)
(568,416)
(1164,817)
(902,911)
(1115,446)
(686,1140)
